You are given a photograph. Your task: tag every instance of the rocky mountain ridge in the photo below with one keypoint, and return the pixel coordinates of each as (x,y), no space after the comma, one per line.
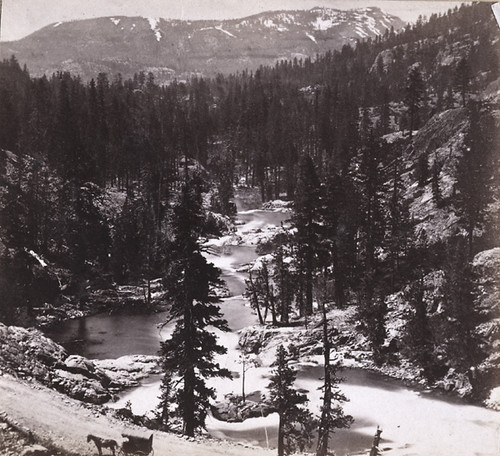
(175,48)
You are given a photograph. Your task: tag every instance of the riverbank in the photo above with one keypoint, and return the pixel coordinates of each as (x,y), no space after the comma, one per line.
(402,412)
(113,299)
(62,424)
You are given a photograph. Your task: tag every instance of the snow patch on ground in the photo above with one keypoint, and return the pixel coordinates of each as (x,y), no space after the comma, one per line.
(361,32)
(311,38)
(493,401)
(369,22)
(38,258)
(220,29)
(114,21)
(57,24)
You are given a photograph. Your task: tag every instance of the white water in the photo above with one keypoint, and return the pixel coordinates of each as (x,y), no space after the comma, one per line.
(413,422)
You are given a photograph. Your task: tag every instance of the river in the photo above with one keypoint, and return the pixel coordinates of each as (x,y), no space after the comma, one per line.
(414,422)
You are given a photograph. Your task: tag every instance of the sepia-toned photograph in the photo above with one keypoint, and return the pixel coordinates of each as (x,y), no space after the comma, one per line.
(249,228)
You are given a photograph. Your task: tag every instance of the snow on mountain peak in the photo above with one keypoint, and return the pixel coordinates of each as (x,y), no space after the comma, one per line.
(153,23)
(325,11)
(322,23)
(269,23)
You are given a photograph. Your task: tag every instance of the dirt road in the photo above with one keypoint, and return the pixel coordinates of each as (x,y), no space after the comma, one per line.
(65,422)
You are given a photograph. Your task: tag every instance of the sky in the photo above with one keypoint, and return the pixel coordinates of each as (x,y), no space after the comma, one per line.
(22,17)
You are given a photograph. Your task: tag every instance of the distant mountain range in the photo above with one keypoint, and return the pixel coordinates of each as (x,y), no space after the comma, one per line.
(176,48)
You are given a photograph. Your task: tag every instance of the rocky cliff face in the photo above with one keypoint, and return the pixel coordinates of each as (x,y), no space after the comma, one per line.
(173,48)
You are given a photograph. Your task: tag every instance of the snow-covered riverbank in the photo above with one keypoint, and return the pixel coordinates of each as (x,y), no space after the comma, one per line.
(414,420)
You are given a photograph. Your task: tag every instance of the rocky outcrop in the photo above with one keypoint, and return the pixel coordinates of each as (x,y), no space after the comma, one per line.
(234,410)
(27,353)
(455,382)
(127,371)
(80,387)
(486,266)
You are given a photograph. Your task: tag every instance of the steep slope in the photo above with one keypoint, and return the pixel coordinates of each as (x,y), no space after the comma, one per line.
(169,48)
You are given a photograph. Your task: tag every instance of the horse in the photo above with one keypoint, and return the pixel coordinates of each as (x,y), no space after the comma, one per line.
(102,443)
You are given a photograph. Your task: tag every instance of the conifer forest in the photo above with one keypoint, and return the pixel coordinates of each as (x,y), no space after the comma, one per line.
(275,238)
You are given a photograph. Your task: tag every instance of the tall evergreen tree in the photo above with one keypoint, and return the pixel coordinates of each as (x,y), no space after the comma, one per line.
(399,228)
(306,221)
(459,328)
(437,195)
(284,284)
(189,353)
(474,172)
(422,170)
(332,414)
(414,97)
(462,79)
(296,425)
(418,335)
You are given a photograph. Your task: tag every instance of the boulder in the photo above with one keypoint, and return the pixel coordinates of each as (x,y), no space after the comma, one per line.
(128,370)
(234,410)
(80,387)
(456,382)
(80,365)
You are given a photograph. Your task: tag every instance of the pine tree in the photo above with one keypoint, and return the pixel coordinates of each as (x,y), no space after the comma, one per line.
(166,410)
(371,309)
(374,317)
(333,210)
(332,414)
(414,97)
(437,195)
(422,170)
(87,229)
(459,333)
(296,425)
(285,284)
(462,79)
(260,291)
(399,227)
(418,335)
(253,294)
(306,221)
(371,188)
(189,353)
(474,172)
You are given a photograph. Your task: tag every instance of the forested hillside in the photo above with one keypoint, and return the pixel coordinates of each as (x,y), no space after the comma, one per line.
(388,150)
